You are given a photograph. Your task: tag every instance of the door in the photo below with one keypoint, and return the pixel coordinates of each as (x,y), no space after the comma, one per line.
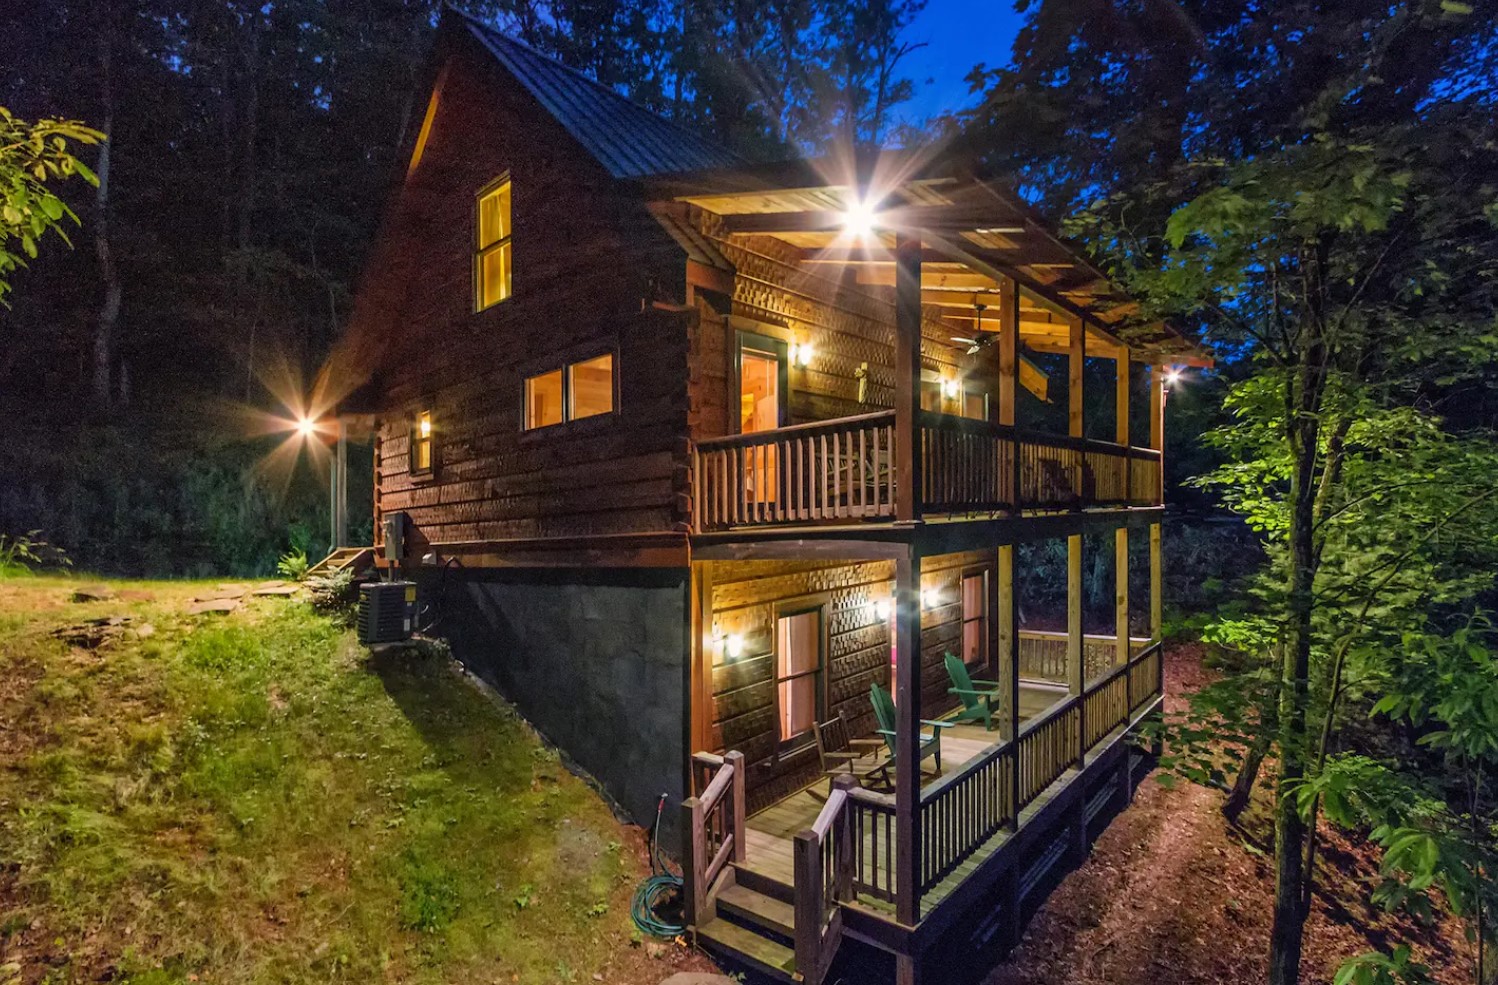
(798,673)
(763,371)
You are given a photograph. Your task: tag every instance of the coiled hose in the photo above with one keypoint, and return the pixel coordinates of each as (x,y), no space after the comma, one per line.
(658,898)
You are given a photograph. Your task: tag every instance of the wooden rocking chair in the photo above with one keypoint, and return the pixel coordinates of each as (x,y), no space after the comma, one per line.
(842,755)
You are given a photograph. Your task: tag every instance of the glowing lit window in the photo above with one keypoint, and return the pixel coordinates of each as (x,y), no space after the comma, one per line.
(590,387)
(421,442)
(543,400)
(798,671)
(492,262)
(974,619)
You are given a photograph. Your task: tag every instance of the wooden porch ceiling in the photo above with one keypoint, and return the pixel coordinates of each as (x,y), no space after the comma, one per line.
(976,233)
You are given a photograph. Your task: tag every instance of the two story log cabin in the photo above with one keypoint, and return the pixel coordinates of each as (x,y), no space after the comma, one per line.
(691,456)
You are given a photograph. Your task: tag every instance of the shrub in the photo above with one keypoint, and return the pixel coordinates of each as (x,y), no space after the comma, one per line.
(293,564)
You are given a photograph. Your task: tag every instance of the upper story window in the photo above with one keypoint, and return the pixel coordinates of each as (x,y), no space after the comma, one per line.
(422,457)
(491,261)
(578,390)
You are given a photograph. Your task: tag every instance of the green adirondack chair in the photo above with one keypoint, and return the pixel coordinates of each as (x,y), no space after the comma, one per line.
(929,743)
(980,699)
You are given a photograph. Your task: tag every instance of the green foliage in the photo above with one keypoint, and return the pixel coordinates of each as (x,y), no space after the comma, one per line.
(23,552)
(335,595)
(33,158)
(1398,967)
(293,564)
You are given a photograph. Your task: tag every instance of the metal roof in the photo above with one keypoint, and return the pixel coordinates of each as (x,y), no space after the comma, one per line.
(627,139)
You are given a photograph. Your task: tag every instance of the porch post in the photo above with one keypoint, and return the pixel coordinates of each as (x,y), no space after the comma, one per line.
(1157,442)
(1075,670)
(1076,363)
(907,377)
(1121,536)
(701,679)
(338,493)
(907,736)
(1009,381)
(1008,614)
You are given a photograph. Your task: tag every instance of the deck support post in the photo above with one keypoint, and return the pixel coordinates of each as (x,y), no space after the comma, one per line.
(907,736)
(1121,537)
(1009,382)
(1076,364)
(1076,673)
(907,377)
(1008,613)
(701,678)
(338,490)
(1157,442)
(907,969)
(1157,601)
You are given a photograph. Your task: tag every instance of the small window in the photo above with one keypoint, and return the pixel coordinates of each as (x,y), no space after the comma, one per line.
(581,389)
(590,388)
(543,400)
(975,405)
(798,672)
(421,442)
(975,619)
(492,271)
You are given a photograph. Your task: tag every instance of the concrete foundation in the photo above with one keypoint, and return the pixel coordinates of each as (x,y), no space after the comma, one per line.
(595,660)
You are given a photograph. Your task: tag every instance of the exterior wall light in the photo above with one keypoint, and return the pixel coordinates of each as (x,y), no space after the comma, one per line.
(733,646)
(802,354)
(882,610)
(858,219)
(930,598)
(950,388)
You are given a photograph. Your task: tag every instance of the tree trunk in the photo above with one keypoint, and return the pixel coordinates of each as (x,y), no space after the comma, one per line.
(109,311)
(1303,409)
(1243,784)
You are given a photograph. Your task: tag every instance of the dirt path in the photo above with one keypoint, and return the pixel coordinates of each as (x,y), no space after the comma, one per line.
(1171,895)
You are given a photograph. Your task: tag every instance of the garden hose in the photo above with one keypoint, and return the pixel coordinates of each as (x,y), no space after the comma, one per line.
(660,892)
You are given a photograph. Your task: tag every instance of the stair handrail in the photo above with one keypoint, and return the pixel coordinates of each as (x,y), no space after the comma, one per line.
(715,833)
(823,872)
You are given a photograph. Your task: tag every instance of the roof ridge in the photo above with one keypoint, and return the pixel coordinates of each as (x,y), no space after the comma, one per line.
(496,34)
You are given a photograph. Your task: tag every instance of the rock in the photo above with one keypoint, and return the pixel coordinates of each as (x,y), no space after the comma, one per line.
(282,590)
(204,606)
(222,592)
(145,630)
(93,593)
(655,950)
(697,978)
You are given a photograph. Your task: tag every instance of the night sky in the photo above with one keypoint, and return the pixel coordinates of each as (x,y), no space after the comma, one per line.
(958,35)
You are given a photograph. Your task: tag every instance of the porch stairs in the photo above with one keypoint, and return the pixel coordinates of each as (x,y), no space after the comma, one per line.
(755,924)
(354,559)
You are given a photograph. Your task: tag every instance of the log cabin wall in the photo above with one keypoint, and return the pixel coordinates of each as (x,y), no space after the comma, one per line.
(747,597)
(849,326)
(587,260)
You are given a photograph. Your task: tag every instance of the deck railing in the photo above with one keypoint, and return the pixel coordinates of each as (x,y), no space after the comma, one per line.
(823,867)
(1042,655)
(873,816)
(844,469)
(714,820)
(961,811)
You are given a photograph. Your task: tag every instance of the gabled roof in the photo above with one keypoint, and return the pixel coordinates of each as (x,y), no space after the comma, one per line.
(627,139)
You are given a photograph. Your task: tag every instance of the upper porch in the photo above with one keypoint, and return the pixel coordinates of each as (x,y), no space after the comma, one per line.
(891,339)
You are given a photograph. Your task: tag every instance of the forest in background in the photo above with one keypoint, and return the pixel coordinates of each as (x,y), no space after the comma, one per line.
(250,150)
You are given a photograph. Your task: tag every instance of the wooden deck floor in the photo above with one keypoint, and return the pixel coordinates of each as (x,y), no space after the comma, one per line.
(773,829)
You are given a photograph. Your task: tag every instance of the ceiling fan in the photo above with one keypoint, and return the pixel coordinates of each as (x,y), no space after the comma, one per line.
(981,340)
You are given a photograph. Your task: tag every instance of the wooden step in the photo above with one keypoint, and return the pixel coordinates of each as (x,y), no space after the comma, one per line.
(751,878)
(760,910)
(744,946)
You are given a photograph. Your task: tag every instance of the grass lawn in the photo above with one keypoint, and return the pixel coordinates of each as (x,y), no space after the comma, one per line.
(249,798)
